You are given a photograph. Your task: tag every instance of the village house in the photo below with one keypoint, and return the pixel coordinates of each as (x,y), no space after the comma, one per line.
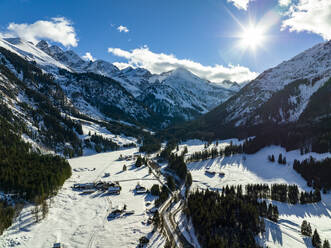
(114,188)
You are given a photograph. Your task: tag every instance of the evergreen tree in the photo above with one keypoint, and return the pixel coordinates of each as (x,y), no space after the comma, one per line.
(44,208)
(316,240)
(284,160)
(171,183)
(139,161)
(156,219)
(280,158)
(306,228)
(188,182)
(155,190)
(124,168)
(326,244)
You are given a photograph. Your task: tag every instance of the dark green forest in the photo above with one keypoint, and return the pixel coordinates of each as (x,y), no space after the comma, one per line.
(230,219)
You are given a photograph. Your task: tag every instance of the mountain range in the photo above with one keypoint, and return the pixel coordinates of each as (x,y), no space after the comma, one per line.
(46,87)
(289,104)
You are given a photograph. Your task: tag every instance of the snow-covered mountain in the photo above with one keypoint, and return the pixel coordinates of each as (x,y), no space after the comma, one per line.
(138,95)
(182,95)
(280,94)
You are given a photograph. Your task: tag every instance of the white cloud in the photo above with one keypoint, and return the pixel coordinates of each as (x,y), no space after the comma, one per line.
(122,29)
(88,56)
(58,29)
(160,62)
(311,16)
(284,3)
(240,4)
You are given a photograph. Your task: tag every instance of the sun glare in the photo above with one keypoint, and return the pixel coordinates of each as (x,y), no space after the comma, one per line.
(252,37)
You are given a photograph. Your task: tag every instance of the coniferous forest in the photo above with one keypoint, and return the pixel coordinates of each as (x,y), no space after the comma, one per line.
(230,219)
(317,173)
(27,174)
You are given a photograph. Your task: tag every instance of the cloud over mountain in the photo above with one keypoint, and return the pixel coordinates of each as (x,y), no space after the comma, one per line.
(161,62)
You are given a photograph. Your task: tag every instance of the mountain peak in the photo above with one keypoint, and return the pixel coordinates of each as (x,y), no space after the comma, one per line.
(182,72)
(42,45)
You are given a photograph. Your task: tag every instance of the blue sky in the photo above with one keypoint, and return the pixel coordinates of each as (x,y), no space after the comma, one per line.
(201,31)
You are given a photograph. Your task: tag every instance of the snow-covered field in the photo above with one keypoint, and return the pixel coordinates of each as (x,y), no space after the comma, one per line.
(79,220)
(255,168)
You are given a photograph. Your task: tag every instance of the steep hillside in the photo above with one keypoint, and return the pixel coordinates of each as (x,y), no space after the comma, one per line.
(288,105)
(45,114)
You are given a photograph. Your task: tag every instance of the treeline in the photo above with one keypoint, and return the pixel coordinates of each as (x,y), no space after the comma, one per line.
(316,173)
(231,219)
(27,173)
(150,144)
(281,159)
(316,241)
(227,151)
(177,164)
(6,215)
(54,129)
(283,193)
(101,144)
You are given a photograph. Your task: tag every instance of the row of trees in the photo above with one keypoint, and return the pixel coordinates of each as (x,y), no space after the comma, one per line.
(214,152)
(231,219)
(283,193)
(306,230)
(29,174)
(315,172)
(177,164)
(101,144)
(6,215)
(281,158)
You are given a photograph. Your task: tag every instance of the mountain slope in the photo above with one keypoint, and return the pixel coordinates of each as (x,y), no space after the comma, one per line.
(288,104)
(170,97)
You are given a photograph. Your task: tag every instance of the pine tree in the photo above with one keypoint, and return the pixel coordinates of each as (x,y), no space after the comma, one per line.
(139,161)
(188,182)
(171,183)
(36,213)
(316,240)
(44,208)
(284,160)
(124,168)
(275,214)
(280,158)
(317,195)
(304,227)
(156,219)
(326,244)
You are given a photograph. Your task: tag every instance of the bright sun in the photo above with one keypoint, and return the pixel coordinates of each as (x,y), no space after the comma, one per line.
(252,37)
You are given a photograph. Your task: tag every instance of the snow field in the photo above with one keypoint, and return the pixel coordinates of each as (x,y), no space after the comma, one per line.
(79,220)
(255,169)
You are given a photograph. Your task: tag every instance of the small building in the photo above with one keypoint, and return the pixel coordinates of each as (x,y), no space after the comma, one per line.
(99,185)
(58,245)
(83,186)
(140,189)
(114,188)
(88,191)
